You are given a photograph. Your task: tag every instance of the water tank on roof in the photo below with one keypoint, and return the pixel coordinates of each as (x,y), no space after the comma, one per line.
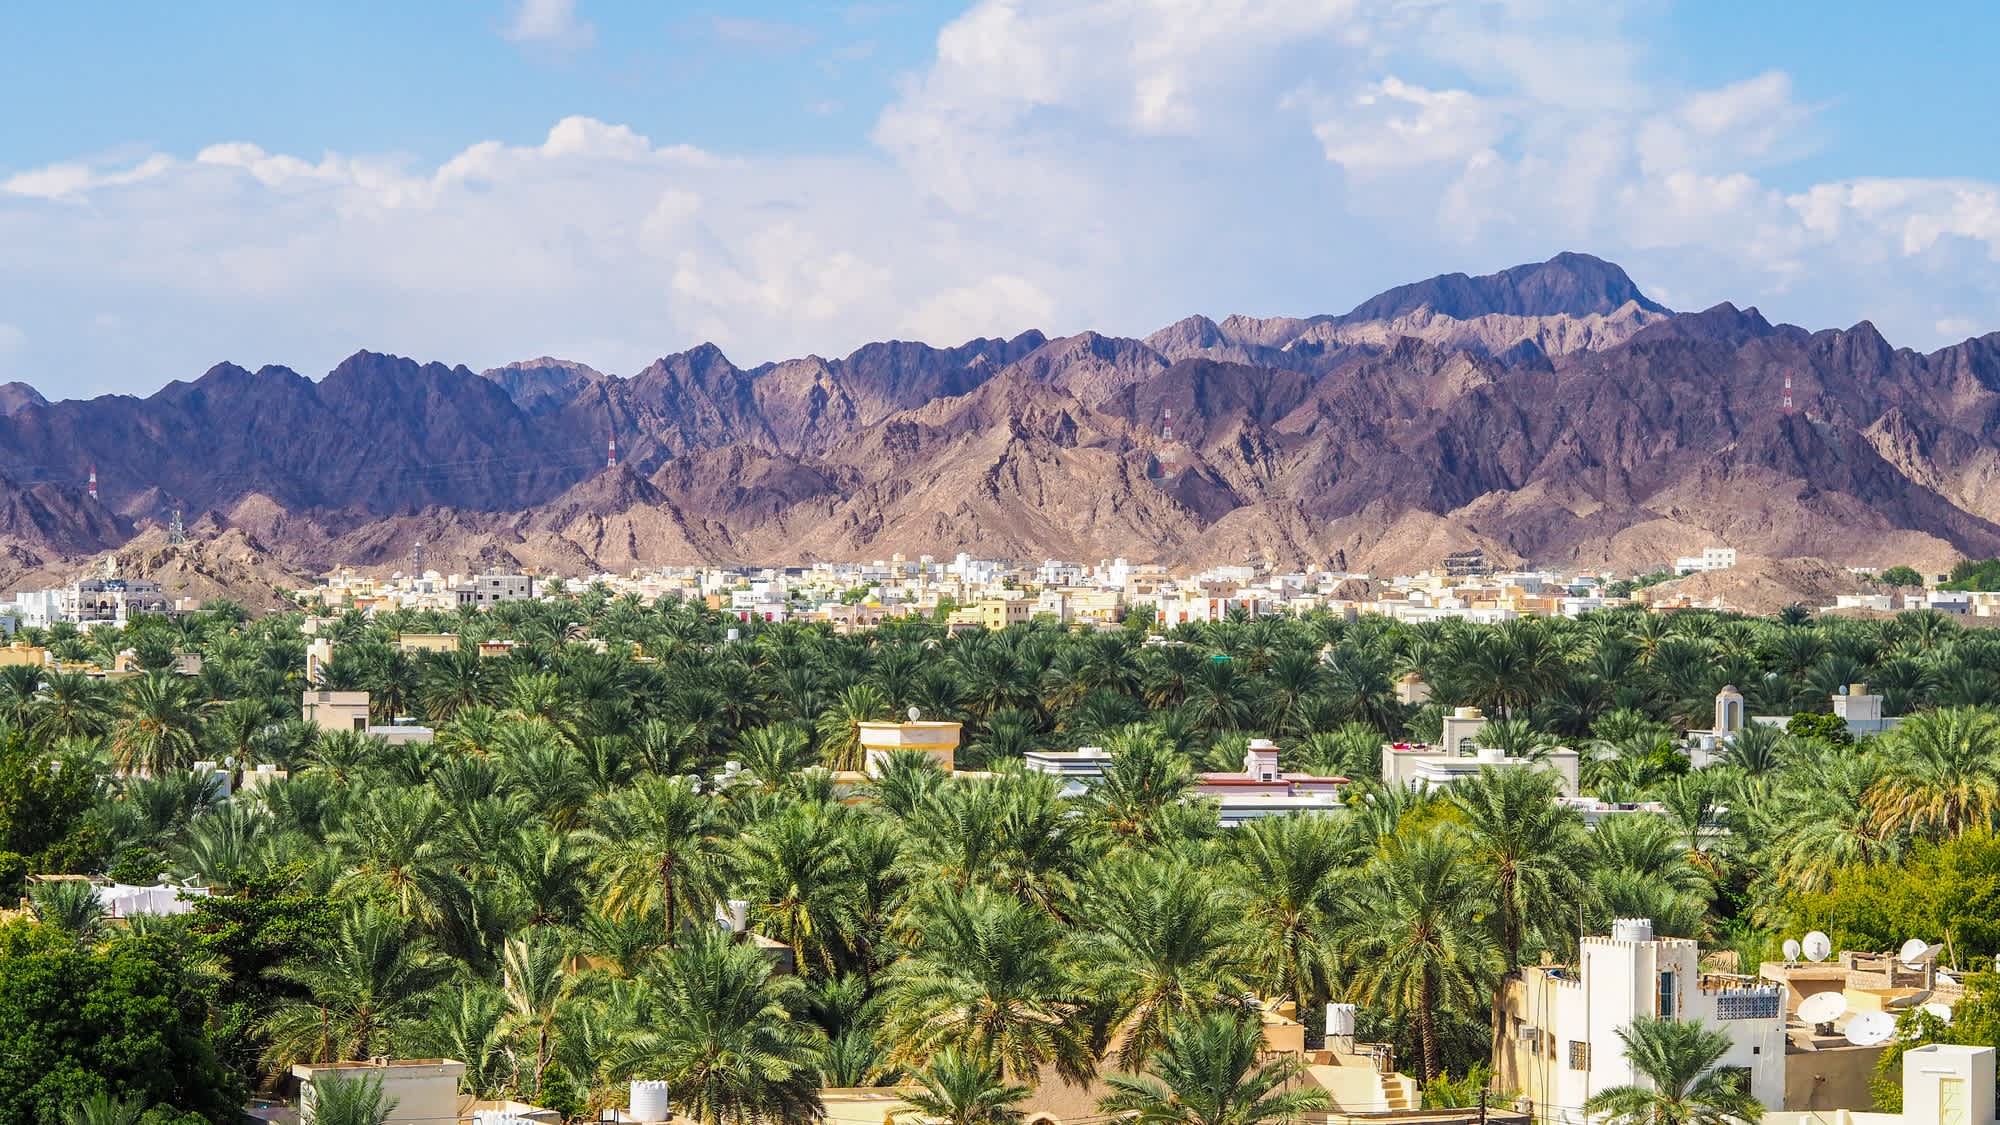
(1491,755)
(1632,929)
(1339,1020)
(649,1100)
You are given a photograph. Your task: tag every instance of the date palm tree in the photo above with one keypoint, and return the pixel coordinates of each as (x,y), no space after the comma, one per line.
(1416,942)
(991,976)
(839,726)
(955,1088)
(104,1109)
(1209,1072)
(158,724)
(726,1035)
(1167,943)
(794,871)
(1683,1085)
(1944,773)
(1292,869)
(1528,855)
(365,986)
(660,848)
(349,1101)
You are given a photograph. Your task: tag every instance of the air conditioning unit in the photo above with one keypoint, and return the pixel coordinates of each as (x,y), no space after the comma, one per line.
(1529,1035)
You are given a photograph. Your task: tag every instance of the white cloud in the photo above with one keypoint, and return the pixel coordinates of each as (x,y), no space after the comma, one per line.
(1099,163)
(70,180)
(551,24)
(1004,304)
(1394,125)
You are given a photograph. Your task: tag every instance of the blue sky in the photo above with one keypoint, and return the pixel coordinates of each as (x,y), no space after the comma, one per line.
(481,182)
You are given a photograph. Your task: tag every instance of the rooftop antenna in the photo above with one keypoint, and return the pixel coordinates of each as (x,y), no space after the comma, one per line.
(93,480)
(176,530)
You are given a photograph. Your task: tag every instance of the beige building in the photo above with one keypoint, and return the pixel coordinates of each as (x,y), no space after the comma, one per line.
(21,653)
(427,642)
(336,710)
(1943,1084)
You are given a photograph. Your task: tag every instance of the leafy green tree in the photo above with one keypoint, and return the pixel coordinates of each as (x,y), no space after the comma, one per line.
(1684,1086)
(45,803)
(128,1018)
(1210,1072)
(1900,576)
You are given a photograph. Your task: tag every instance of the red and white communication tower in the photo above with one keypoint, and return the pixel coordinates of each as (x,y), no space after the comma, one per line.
(93,482)
(611,452)
(1787,400)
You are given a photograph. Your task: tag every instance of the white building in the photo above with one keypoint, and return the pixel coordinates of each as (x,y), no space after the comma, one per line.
(1861,711)
(1711,558)
(490,589)
(1561,1044)
(1262,789)
(1460,755)
(1079,769)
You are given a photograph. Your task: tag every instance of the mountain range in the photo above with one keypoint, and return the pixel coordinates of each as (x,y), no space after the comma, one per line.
(1549,414)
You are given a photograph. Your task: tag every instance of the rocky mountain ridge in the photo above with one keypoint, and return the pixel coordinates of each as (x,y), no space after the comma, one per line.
(1550,414)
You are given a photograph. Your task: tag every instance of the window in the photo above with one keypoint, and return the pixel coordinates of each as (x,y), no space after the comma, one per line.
(1665,1002)
(1579,1055)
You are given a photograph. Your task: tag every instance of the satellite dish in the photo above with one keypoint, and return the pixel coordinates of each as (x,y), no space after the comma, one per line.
(1816,946)
(1870,1029)
(915,714)
(1946,978)
(1791,949)
(1917,952)
(1822,1007)
(1939,1009)
(1913,1000)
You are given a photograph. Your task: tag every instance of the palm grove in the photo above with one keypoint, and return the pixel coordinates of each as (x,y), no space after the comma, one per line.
(535,892)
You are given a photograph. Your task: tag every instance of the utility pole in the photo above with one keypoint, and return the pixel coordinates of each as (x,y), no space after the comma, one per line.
(1482,1105)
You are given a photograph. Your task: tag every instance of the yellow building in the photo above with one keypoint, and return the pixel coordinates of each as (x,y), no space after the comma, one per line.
(998,613)
(427,642)
(881,739)
(22,653)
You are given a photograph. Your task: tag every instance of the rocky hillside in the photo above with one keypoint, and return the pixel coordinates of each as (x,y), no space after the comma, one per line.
(1551,413)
